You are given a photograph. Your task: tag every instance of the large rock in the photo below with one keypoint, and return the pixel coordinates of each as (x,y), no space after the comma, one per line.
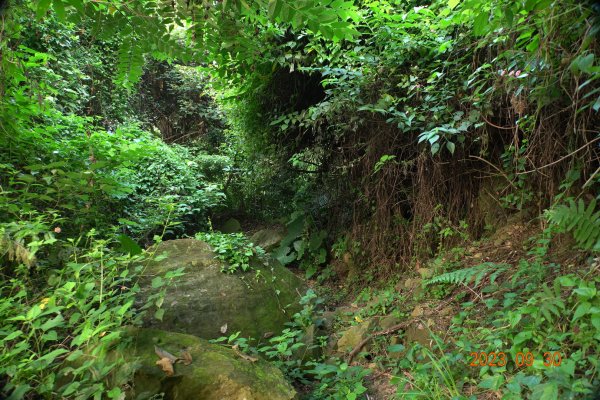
(215,373)
(208,303)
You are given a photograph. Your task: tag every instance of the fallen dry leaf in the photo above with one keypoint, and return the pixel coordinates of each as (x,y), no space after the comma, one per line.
(224,328)
(186,357)
(166,365)
(242,355)
(268,335)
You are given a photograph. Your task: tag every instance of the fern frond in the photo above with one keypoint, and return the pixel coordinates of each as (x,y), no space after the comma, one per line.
(474,274)
(581,221)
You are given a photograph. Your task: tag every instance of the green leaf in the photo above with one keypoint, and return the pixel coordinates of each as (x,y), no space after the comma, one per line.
(450,146)
(311,270)
(115,393)
(157,282)
(514,318)
(545,391)
(453,3)
(492,382)
(585,292)
(59,9)
(50,336)
(34,312)
(316,240)
(19,392)
(396,348)
(481,23)
(53,323)
(50,357)
(128,245)
(581,310)
(123,309)
(596,105)
(530,4)
(75,355)
(522,337)
(42,8)
(586,62)
(533,46)
(596,321)
(13,335)
(583,63)
(274,8)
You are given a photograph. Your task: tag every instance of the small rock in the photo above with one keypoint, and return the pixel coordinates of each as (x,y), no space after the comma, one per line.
(447,311)
(354,335)
(425,273)
(389,321)
(412,283)
(268,238)
(418,311)
(418,333)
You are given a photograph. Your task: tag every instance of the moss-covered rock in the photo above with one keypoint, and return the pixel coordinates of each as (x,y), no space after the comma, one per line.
(268,238)
(352,336)
(232,225)
(206,302)
(215,373)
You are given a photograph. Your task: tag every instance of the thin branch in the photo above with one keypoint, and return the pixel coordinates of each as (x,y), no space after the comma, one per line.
(591,178)
(496,168)
(560,159)
(499,127)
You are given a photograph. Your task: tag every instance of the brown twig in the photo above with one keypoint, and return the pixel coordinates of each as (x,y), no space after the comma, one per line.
(395,328)
(496,168)
(591,178)
(560,159)
(499,127)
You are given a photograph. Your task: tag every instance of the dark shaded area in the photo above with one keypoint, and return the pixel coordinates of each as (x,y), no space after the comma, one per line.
(296,91)
(178,105)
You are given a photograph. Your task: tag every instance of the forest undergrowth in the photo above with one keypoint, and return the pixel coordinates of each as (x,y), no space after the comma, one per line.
(430,163)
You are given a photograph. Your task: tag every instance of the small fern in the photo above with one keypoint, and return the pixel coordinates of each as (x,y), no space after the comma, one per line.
(582,222)
(473,274)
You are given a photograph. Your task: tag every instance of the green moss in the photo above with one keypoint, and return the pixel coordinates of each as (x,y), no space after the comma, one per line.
(216,372)
(205,299)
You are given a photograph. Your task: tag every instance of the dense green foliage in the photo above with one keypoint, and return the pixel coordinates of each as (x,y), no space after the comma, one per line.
(382,133)
(301,360)
(233,249)
(412,111)
(77,176)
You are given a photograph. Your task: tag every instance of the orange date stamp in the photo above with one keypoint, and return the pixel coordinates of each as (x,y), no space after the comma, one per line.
(500,359)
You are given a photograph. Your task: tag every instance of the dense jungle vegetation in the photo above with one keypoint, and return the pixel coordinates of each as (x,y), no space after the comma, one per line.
(432,168)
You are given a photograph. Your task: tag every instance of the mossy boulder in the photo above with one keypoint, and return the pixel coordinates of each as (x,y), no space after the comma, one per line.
(215,372)
(232,225)
(208,303)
